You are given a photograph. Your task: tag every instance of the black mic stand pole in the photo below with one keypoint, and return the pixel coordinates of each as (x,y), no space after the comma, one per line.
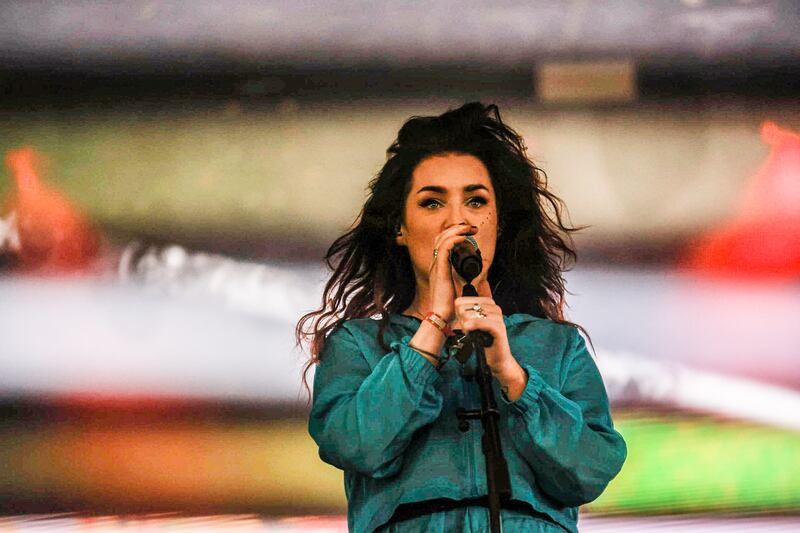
(497,478)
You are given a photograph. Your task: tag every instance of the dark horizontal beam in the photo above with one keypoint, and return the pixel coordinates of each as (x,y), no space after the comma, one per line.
(54,88)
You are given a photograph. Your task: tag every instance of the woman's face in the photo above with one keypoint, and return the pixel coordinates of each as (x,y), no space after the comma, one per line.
(446,190)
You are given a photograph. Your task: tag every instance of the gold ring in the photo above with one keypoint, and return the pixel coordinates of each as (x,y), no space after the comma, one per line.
(435,253)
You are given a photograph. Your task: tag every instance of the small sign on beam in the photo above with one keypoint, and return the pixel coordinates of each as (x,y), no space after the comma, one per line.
(595,81)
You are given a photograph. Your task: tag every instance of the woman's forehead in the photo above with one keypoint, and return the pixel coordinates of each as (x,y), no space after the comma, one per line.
(452,172)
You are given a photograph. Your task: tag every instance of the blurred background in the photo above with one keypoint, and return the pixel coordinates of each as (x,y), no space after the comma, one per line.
(175,171)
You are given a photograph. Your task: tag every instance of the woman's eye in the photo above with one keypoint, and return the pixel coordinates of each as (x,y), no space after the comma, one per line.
(479,200)
(476,200)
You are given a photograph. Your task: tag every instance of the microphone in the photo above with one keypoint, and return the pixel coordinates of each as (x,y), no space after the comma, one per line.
(466,259)
(468,263)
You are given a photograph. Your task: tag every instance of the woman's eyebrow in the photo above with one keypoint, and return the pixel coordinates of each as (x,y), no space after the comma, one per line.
(442,190)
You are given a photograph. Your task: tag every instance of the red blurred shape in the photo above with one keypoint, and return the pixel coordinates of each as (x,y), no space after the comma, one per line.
(55,238)
(763,239)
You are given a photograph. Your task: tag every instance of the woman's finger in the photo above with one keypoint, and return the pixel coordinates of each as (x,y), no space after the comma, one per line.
(447,240)
(490,324)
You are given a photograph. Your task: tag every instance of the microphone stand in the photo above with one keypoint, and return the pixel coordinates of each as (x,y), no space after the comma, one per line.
(497,478)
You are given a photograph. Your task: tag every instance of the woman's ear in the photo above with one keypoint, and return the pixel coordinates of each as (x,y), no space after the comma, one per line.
(399,238)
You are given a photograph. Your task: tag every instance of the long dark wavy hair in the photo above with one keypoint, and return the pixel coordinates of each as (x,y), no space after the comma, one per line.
(372,274)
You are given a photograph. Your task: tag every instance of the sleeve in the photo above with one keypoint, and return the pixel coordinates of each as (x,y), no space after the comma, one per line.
(363,419)
(567,437)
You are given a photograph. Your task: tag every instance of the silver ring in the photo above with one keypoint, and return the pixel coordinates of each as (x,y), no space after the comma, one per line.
(478,309)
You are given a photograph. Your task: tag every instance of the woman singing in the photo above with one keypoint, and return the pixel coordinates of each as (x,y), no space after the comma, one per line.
(387,391)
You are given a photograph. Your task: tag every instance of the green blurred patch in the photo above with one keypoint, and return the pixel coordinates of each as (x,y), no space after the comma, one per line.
(683,465)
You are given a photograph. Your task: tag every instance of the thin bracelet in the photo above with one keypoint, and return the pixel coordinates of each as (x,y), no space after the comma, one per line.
(438,359)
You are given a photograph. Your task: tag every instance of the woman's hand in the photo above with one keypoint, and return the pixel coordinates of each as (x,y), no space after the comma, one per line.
(441,275)
(504,367)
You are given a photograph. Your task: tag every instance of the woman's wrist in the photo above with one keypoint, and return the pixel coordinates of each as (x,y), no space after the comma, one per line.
(513,380)
(443,314)
(428,339)
(439,322)
(432,357)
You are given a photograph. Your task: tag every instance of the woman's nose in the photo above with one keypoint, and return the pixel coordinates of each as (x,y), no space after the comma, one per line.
(455,215)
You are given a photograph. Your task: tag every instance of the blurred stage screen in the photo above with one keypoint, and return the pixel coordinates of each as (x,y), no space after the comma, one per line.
(174,172)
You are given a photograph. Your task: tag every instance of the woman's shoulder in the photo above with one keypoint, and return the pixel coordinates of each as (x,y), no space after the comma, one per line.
(556,337)
(361,331)
(523,323)
(353,327)
(545,344)
(360,326)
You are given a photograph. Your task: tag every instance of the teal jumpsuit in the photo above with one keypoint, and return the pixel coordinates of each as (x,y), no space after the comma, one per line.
(388,420)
